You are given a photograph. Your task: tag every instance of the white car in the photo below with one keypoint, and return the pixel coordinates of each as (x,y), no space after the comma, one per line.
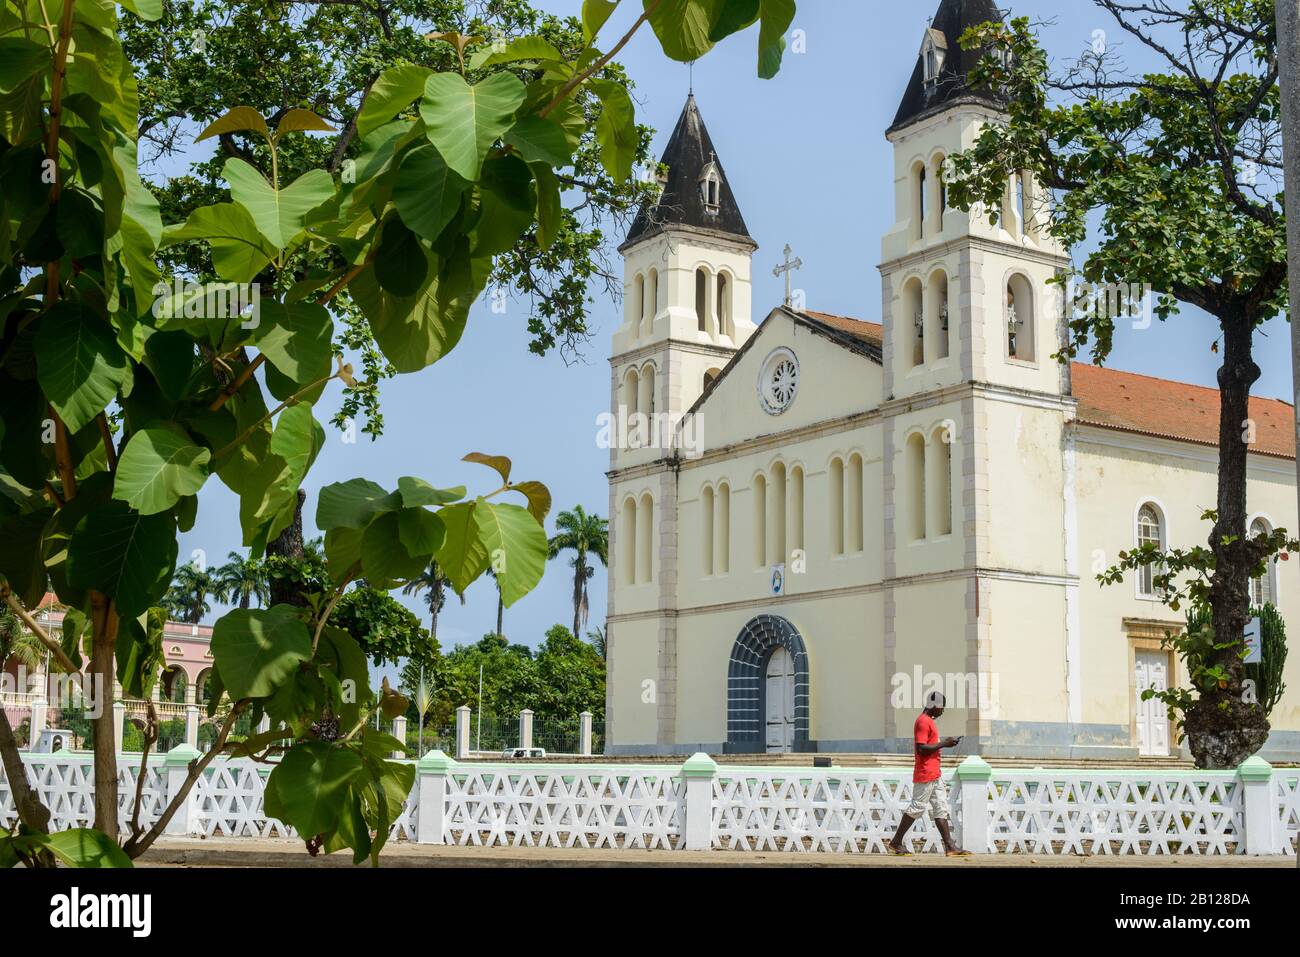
(523,753)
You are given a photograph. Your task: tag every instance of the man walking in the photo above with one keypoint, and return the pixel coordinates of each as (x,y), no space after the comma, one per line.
(928,790)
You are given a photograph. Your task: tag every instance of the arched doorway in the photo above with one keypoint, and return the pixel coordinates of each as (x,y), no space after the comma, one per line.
(767,689)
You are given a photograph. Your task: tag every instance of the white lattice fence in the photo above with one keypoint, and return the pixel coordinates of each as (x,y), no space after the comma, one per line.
(496,806)
(1116,813)
(1286,790)
(66,785)
(762,809)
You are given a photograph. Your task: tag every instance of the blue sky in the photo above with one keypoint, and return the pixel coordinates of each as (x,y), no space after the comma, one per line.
(807,159)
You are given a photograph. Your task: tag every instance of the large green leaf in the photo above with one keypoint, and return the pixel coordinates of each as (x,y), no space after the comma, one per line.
(401,263)
(159,467)
(427,193)
(306,790)
(82,847)
(777,17)
(516,547)
(595,13)
(417,492)
(616,129)
(464,121)
(239,250)
(353,504)
(684,26)
(259,649)
(297,339)
(20,59)
(385,558)
(270,498)
(128,556)
(508,205)
(21,562)
(280,215)
(540,140)
(395,90)
(80,365)
(415,331)
(139,652)
(463,556)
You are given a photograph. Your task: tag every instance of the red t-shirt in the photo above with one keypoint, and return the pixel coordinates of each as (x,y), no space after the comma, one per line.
(927,765)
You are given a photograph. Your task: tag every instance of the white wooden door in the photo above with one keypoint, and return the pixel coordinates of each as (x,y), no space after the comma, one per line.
(780,703)
(1152,716)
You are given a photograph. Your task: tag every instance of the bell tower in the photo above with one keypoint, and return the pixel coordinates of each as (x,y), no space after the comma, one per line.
(687,293)
(977,409)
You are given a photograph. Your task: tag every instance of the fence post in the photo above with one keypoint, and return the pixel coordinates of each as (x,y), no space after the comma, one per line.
(176,768)
(399,732)
(584,734)
(462,732)
(37,727)
(526,728)
(430,820)
(192,726)
(972,777)
(119,725)
(1256,776)
(698,772)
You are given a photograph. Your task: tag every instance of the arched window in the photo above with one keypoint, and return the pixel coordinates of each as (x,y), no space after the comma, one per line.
(722,530)
(628,549)
(922,200)
(638,302)
(836,501)
(938,319)
(645,540)
(941,185)
(710,377)
(854,510)
(724,307)
(652,290)
(631,391)
(933,49)
(1020,319)
(760,521)
(939,458)
(914,322)
(706,530)
(711,188)
(1263,590)
(777,526)
(647,403)
(796,510)
(702,299)
(915,487)
(1150,531)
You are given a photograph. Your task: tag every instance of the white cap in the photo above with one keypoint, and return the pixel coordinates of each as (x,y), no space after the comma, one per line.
(935,699)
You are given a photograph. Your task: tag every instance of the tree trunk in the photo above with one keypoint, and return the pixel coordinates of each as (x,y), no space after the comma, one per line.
(289,545)
(27,802)
(102,675)
(501,613)
(579,580)
(1223,729)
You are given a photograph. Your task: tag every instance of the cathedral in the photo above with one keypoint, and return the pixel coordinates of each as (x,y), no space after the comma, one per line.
(816,519)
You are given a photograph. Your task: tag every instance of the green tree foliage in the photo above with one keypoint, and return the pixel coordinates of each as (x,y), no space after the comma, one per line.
(150,345)
(241,581)
(584,535)
(1179,170)
(186,599)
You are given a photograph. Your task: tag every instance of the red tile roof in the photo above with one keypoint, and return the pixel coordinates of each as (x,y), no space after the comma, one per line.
(1174,410)
(1130,402)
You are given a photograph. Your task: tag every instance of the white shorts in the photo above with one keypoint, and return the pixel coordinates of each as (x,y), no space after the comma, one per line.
(932,796)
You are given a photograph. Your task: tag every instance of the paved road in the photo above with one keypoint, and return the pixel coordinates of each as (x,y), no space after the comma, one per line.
(249,852)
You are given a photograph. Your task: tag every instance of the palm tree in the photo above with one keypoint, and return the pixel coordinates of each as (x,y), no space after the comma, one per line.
(597,638)
(240,580)
(187,598)
(584,535)
(433,581)
(18,643)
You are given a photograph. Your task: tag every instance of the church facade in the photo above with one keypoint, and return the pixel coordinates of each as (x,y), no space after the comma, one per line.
(815,520)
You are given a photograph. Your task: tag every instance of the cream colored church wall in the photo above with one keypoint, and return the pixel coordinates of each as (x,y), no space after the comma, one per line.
(1026,483)
(633,661)
(844,640)
(930,637)
(834,383)
(1116,475)
(1027,655)
(822,569)
(936,551)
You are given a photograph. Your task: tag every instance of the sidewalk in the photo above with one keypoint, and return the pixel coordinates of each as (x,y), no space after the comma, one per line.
(271,852)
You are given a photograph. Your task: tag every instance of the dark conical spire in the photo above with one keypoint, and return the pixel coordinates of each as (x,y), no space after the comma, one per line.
(687,199)
(953,19)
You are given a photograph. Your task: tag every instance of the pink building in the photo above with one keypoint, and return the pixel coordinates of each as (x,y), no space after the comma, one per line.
(28,696)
